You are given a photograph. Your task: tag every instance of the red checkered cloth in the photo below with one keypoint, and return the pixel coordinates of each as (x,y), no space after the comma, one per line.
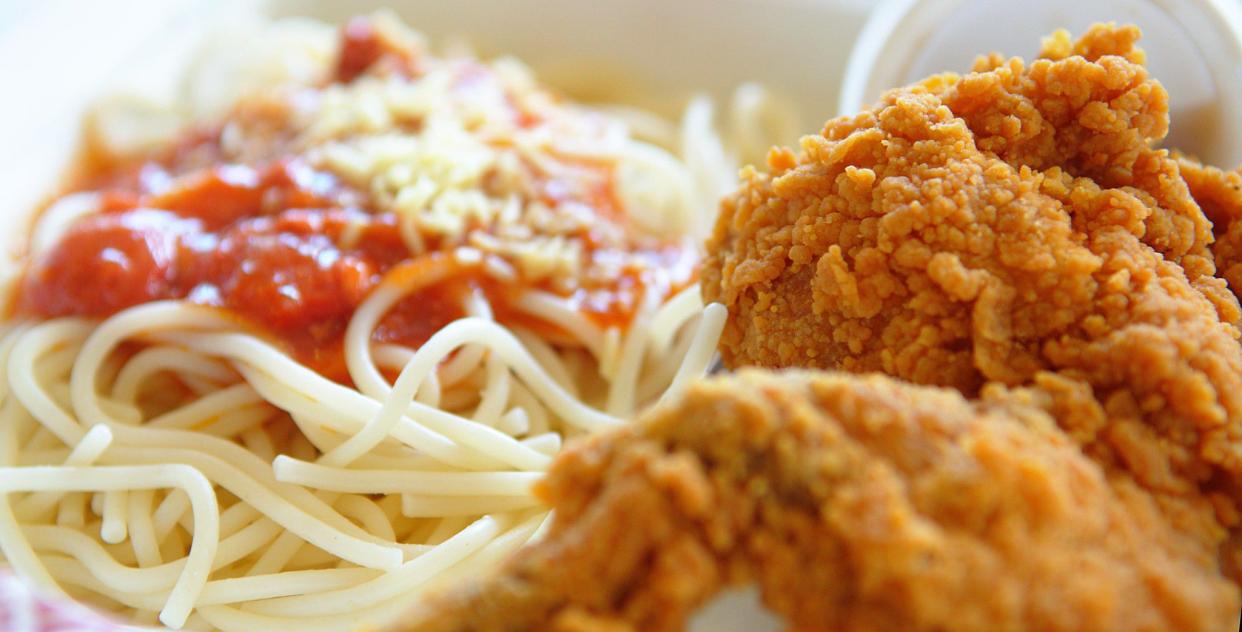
(24,610)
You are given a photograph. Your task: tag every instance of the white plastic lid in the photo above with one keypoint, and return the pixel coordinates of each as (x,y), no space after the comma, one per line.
(1194,47)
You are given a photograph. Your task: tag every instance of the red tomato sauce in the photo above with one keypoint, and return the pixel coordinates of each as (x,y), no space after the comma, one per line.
(363,46)
(291,251)
(269,245)
(276,247)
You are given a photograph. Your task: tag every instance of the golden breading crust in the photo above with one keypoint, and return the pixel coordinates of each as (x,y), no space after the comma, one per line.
(855,503)
(1219,194)
(1008,227)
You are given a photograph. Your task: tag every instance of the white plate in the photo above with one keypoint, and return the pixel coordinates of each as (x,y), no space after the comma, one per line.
(59,56)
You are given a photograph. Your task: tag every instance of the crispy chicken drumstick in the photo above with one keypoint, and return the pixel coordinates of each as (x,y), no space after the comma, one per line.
(1011,235)
(1011,228)
(856,503)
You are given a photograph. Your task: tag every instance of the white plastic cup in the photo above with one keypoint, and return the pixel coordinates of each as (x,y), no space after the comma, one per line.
(1194,47)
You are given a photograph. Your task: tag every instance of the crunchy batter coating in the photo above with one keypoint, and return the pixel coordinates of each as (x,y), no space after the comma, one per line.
(1008,227)
(1011,234)
(1219,194)
(856,503)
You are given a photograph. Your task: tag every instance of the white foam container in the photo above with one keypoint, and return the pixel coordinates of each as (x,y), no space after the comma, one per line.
(1194,48)
(58,56)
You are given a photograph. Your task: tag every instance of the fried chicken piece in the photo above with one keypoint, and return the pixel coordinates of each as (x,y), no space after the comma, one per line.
(1010,233)
(1010,227)
(855,503)
(1219,194)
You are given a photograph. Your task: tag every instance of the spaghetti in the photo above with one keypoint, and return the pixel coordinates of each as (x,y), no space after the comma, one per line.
(303,362)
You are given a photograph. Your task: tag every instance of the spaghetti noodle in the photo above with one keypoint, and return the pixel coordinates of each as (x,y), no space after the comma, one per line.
(307,360)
